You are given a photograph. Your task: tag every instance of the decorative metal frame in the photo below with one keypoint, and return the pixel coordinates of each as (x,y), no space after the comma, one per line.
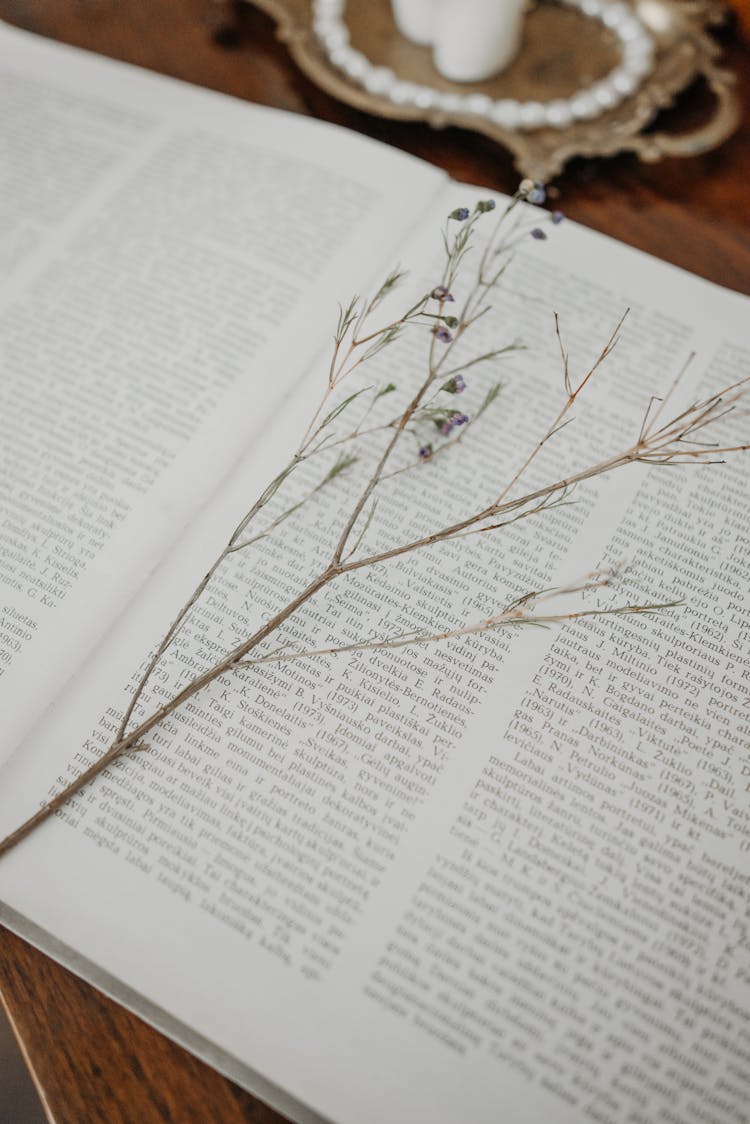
(562,52)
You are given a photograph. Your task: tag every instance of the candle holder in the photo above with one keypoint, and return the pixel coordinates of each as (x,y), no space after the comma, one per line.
(590,76)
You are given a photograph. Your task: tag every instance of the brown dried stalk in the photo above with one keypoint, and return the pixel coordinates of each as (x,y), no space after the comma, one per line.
(671,443)
(519,612)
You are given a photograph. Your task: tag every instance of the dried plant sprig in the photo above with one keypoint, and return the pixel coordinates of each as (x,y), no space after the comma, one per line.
(517,614)
(571,392)
(341,465)
(313,443)
(658,448)
(672,443)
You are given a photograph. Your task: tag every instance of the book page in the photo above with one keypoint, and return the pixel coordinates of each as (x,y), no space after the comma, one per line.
(505,874)
(170,260)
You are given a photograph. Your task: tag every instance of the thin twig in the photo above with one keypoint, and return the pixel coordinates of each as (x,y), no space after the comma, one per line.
(654,446)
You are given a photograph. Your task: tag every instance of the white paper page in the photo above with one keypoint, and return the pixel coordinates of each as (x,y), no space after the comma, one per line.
(169,259)
(385,921)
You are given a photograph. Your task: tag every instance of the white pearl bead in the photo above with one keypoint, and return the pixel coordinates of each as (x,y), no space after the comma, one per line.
(639,42)
(506,113)
(338,56)
(403,93)
(532,114)
(326,28)
(558,114)
(479,104)
(424,98)
(379,80)
(591,8)
(630,29)
(636,52)
(604,95)
(637,63)
(583,106)
(623,82)
(640,68)
(334,39)
(355,64)
(614,16)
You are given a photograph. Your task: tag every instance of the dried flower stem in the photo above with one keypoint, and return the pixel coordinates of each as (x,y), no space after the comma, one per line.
(672,443)
(516,614)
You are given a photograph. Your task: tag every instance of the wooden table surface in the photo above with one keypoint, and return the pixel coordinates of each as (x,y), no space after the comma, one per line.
(93,1061)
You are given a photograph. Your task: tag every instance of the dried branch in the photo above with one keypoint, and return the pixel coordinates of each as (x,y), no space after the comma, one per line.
(518,613)
(671,444)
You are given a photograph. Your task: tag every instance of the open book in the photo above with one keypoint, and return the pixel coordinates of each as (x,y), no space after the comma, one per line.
(504,877)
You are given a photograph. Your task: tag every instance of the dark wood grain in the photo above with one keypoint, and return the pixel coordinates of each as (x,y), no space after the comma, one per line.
(93,1061)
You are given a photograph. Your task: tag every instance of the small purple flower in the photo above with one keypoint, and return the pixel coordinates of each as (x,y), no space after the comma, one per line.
(557,217)
(440,293)
(538,233)
(456,385)
(537,194)
(425,452)
(441,332)
(485,205)
(460,214)
(451,422)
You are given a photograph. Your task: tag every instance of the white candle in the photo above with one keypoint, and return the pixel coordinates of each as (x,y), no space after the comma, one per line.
(477,38)
(472,39)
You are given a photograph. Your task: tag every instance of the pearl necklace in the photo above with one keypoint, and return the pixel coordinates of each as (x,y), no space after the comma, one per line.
(636,45)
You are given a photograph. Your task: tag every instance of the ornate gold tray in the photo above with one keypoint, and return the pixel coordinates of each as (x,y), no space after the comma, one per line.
(563,52)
